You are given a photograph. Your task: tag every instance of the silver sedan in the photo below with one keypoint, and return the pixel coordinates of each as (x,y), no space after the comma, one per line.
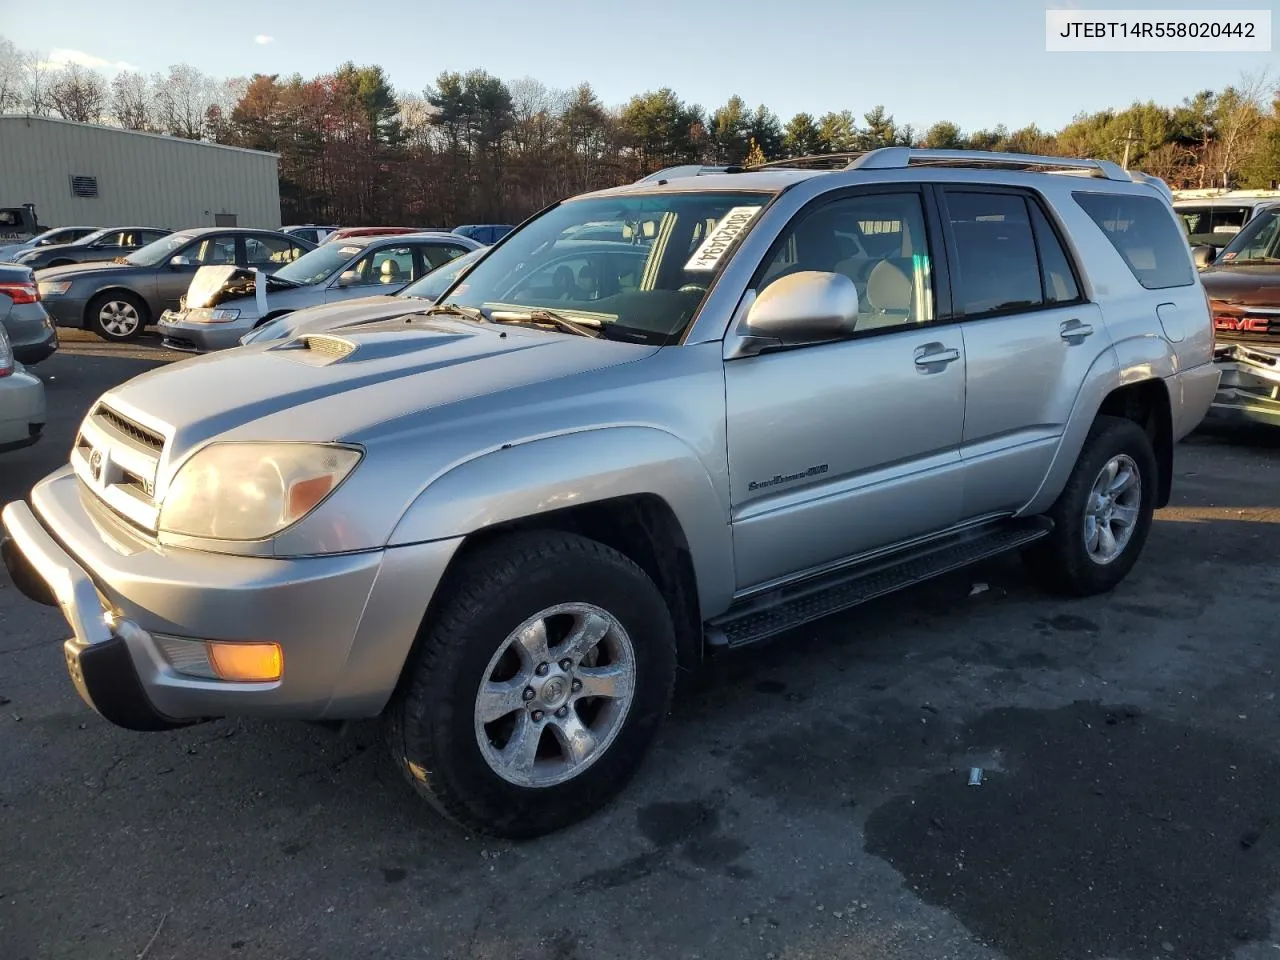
(225,303)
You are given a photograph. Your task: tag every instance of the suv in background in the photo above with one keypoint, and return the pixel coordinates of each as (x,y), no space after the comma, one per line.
(309,232)
(486,233)
(502,523)
(1213,221)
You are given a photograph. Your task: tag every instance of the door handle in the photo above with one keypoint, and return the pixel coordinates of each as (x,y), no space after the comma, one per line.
(1074,330)
(935,353)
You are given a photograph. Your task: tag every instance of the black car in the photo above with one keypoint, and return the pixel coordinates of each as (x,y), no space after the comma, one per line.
(118,300)
(106,244)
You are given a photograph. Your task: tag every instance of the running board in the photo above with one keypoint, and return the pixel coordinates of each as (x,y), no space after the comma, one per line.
(796,604)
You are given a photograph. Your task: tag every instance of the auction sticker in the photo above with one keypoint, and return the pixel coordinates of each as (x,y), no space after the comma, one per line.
(708,254)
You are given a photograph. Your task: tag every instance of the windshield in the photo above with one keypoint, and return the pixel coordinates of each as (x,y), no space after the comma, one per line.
(158,251)
(1216,225)
(319,264)
(431,285)
(1257,241)
(638,265)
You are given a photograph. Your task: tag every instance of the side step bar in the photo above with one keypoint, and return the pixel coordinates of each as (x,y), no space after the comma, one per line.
(796,604)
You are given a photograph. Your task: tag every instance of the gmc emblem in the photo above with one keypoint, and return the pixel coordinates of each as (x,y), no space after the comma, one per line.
(1241,324)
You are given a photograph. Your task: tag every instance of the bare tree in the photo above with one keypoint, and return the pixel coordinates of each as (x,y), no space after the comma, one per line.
(182,100)
(78,93)
(11,67)
(131,101)
(1238,118)
(34,88)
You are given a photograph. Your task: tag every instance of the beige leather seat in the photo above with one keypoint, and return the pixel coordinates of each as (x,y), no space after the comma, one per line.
(889,295)
(390,272)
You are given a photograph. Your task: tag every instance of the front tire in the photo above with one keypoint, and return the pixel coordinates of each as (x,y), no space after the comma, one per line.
(1103,515)
(118,316)
(536,688)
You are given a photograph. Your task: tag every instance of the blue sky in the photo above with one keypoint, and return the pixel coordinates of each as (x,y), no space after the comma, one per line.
(976,64)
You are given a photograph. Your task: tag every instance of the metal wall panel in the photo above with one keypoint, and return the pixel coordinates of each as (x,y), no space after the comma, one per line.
(142,179)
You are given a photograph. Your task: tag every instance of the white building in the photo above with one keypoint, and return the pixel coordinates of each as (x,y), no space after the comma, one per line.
(90,175)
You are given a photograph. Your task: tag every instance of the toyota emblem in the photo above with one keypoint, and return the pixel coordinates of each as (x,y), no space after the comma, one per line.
(95,464)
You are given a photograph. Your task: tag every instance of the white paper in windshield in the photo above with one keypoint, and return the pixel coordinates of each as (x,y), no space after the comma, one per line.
(708,254)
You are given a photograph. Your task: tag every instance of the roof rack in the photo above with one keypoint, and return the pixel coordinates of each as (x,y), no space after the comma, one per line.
(686,170)
(889,158)
(842,161)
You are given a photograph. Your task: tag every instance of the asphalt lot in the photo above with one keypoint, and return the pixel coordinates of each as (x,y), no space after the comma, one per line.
(808,800)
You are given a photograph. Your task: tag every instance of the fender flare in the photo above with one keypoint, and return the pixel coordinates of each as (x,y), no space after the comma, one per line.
(539,476)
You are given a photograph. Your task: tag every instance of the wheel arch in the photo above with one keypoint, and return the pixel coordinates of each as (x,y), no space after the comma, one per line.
(637,489)
(1136,391)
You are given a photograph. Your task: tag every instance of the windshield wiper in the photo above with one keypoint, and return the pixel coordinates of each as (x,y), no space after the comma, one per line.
(458,310)
(1254,260)
(581,328)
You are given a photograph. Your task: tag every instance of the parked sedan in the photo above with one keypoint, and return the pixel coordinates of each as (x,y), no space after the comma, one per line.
(100,245)
(117,301)
(48,238)
(22,407)
(31,334)
(225,303)
(352,313)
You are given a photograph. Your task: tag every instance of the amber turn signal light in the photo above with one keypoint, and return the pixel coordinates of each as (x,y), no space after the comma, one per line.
(246,662)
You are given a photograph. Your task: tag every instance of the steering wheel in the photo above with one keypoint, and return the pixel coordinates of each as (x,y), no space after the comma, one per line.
(693,288)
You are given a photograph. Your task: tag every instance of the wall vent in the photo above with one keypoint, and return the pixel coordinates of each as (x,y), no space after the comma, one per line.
(82,186)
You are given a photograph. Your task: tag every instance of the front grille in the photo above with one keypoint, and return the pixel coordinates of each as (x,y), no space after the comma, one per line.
(118,460)
(135,431)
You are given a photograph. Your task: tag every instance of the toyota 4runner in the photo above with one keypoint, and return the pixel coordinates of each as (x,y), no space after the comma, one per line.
(505,522)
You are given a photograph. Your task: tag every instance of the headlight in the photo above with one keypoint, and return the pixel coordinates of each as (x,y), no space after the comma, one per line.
(251,491)
(54,288)
(215,315)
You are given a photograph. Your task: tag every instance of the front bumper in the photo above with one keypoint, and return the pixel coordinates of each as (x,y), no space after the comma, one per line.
(22,410)
(1249,388)
(178,333)
(345,623)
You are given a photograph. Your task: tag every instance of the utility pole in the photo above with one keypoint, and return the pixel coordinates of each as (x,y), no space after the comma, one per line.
(1129,140)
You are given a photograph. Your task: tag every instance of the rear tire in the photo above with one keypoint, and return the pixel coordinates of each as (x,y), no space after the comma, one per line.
(1103,515)
(118,316)
(534,620)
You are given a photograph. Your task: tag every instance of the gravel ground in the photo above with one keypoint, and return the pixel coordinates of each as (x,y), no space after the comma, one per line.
(808,799)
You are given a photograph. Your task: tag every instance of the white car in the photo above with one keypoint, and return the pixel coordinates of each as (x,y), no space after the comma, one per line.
(22,412)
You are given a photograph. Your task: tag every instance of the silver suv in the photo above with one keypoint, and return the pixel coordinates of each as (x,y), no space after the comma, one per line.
(504,523)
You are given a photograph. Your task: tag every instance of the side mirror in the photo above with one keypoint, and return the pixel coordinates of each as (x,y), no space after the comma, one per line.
(179,261)
(1204,255)
(805,307)
(348,278)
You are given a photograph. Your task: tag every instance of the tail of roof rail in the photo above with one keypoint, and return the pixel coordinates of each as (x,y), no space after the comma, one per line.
(684,170)
(889,158)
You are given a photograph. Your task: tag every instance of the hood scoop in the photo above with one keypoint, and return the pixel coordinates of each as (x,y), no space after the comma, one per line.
(319,348)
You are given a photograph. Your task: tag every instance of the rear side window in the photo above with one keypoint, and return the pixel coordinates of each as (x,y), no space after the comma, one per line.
(995,268)
(1145,236)
(1055,269)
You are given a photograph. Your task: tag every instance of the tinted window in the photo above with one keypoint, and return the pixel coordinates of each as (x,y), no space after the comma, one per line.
(10,218)
(1145,236)
(438,254)
(151,236)
(995,267)
(1055,269)
(878,241)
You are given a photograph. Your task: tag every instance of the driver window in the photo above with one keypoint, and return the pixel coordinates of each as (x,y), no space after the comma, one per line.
(878,241)
(215,250)
(390,265)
